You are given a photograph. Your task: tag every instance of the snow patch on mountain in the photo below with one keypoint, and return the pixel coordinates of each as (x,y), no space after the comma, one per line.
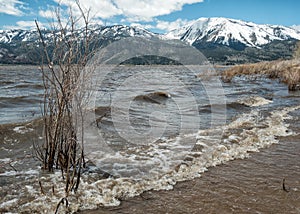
(296,27)
(227,31)
(111,32)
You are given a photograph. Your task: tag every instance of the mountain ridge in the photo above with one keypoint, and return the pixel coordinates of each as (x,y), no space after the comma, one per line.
(221,40)
(222,30)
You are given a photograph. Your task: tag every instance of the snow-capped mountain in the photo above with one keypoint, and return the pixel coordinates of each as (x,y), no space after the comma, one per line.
(221,40)
(22,46)
(8,36)
(113,32)
(231,32)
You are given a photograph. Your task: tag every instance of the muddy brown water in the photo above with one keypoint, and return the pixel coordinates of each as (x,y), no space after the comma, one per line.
(266,182)
(251,185)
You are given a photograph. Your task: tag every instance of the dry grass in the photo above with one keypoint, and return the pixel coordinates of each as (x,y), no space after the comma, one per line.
(287,71)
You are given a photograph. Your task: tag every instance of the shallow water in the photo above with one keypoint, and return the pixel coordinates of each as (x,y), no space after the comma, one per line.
(257,113)
(252,185)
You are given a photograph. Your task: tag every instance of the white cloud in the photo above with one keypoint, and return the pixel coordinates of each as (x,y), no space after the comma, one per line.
(48,14)
(133,10)
(168,26)
(98,12)
(11,7)
(98,9)
(24,25)
(146,10)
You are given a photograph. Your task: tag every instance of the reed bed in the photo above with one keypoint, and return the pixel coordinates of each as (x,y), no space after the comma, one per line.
(287,71)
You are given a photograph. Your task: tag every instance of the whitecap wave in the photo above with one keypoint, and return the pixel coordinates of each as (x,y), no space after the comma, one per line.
(254,132)
(254,101)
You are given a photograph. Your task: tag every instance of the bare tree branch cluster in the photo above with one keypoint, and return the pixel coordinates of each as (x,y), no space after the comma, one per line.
(63,72)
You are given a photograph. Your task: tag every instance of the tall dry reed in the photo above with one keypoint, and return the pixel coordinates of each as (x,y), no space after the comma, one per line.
(287,71)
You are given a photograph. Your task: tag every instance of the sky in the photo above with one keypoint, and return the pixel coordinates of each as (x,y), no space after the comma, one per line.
(156,15)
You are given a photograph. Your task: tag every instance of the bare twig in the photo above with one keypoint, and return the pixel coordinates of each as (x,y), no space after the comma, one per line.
(62,201)
(41,188)
(63,122)
(12,167)
(283,186)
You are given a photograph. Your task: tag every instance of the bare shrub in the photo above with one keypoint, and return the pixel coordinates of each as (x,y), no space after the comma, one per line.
(62,67)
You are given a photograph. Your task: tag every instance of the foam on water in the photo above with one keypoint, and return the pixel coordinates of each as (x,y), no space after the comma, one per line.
(141,161)
(22,129)
(5,160)
(254,101)
(15,173)
(11,202)
(247,133)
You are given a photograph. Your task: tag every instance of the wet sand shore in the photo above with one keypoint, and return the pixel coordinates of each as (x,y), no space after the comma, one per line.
(253,185)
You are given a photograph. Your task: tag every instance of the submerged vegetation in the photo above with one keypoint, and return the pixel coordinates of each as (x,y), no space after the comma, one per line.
(287,71)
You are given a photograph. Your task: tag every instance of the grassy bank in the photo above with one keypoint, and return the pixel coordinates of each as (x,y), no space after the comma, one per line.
(287,71)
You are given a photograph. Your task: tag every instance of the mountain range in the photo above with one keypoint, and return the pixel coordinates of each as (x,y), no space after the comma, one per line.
(221,40)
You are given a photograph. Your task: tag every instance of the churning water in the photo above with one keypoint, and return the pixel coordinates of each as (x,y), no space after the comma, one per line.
(173,128)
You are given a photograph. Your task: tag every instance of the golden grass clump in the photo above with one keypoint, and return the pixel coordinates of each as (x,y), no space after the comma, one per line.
(287,71)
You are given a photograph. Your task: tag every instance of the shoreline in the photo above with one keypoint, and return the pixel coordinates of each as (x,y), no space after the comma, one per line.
(251,185)
(242,192)
(238,186)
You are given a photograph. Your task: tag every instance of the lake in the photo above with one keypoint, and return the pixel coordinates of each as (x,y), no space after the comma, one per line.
(158,125)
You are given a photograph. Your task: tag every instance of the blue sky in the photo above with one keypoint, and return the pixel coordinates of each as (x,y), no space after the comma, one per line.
(156,15)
